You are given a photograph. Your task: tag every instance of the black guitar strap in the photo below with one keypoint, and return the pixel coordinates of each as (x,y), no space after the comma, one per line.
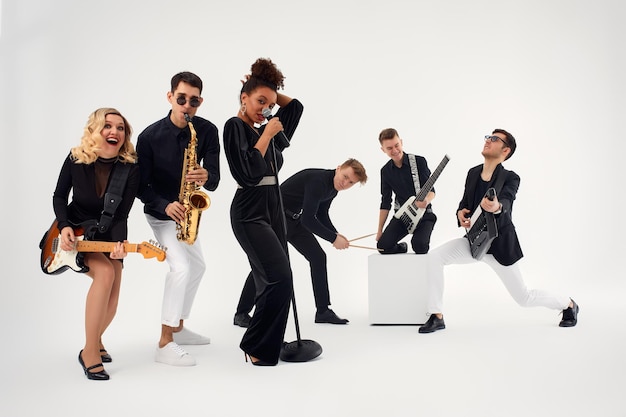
(500,182)
(113,195)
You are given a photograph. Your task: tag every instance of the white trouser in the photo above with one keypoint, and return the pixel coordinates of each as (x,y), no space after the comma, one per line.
(457,251)
(186,270)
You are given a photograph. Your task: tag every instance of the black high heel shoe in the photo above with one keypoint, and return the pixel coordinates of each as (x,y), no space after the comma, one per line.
(104,355)
(96,376)
(258,362)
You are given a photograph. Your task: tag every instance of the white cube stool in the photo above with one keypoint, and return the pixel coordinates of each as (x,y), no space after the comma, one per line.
(397,288)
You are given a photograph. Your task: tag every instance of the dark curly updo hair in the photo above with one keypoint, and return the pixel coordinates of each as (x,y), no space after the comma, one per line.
(264,73)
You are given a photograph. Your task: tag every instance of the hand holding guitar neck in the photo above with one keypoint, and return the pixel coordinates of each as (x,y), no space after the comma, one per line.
(494,205)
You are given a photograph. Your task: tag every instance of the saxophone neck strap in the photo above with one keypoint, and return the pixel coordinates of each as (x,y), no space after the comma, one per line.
(113,195)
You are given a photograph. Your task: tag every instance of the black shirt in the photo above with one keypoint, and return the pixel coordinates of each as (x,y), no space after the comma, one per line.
(400,181)
(87,203)
(312,191)
(161,150)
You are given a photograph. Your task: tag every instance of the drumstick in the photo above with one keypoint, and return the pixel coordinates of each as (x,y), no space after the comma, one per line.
(362,237)
(365,247)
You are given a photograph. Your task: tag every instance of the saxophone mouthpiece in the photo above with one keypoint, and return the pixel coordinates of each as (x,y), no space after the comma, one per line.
(187,118)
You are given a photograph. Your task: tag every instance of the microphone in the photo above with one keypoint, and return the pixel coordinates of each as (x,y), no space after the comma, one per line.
(282,138)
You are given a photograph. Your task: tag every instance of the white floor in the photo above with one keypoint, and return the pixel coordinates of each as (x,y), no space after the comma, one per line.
(494,358)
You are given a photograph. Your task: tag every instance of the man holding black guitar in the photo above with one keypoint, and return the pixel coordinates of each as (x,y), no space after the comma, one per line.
(406,176)
(485,212)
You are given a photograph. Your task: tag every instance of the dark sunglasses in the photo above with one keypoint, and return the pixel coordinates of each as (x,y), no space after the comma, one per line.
(193,101)
(494,138)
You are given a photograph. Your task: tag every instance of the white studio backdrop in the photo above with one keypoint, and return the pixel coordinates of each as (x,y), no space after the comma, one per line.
(444,73)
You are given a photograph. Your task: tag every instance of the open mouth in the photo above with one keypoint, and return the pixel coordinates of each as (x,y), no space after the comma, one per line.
(112,141)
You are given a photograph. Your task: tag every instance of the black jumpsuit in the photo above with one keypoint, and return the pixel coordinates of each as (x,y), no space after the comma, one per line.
(258,225)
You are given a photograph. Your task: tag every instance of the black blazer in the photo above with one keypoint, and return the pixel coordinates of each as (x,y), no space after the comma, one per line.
(506,247)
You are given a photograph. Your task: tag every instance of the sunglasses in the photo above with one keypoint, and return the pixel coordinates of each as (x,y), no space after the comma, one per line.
(494,138)
(193,101)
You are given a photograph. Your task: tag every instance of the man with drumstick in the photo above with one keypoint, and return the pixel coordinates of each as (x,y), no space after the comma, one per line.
(307,196)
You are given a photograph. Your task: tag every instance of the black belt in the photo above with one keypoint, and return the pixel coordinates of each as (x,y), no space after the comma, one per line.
(291,215)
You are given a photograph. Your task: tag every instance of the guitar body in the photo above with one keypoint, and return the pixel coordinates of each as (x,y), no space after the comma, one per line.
(483,229)
(409,214)
(54,260)
(481,234)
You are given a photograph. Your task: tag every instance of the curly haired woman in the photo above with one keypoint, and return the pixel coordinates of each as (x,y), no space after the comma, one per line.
(254,154)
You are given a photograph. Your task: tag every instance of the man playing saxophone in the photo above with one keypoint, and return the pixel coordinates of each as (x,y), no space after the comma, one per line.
(177,155)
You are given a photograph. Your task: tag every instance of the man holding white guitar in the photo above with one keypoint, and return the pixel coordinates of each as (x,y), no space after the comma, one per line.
(404,175)
(491,189)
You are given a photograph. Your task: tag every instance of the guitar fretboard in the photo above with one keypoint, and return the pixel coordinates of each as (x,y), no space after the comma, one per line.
(91,246)
(428,185)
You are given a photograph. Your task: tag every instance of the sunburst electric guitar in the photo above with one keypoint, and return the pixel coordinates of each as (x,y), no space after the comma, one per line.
(55,260)
(409,213)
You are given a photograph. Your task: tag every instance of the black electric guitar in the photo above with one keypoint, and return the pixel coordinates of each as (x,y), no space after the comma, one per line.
(55,260)
(483,229)
(409,213)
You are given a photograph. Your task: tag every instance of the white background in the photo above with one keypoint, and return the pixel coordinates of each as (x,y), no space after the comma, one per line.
(444,73)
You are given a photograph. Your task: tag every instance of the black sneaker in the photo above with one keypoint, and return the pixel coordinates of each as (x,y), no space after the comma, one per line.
(570,316)
(242,320)
(329,316)
(432,324)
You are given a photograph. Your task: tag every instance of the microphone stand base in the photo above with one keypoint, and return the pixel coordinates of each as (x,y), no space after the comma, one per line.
(300,351)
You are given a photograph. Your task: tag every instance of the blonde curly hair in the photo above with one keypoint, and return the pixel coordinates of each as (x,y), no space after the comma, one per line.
(87,151)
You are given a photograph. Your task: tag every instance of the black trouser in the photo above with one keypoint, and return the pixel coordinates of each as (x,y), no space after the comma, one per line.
(396,230)
(306,243)
(272,280)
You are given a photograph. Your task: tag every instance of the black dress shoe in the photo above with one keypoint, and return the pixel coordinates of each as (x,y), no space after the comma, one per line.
(96,376)
(242,320)
(432,324)
(106,358)
(570,316)
(403,247)
(329,316)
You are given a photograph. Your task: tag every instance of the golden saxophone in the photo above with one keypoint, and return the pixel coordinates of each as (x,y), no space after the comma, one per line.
(190,196)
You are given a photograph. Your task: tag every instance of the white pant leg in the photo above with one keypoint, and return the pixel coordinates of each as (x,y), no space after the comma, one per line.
(187,267)
(511,277)
(456,251)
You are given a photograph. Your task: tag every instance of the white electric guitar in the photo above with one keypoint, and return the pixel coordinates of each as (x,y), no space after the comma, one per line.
(409,213)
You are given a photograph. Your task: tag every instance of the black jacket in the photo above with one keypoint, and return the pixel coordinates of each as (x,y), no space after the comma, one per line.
(506,247)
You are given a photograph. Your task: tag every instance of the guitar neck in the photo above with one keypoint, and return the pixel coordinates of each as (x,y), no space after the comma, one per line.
(93,246)
(431,180)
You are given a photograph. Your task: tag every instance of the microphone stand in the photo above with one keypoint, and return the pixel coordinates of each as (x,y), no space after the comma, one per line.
(299,350)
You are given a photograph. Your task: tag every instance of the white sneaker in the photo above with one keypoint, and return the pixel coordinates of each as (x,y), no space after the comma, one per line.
(172,354)
(187,337)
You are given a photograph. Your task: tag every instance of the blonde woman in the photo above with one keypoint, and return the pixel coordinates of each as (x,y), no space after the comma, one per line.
(105,150)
